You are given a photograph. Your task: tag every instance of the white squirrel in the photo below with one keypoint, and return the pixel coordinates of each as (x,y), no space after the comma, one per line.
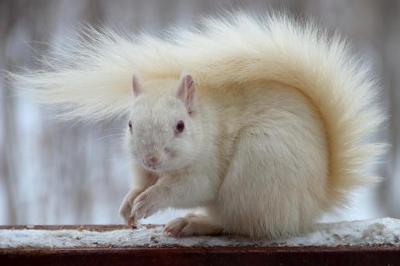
(261,121)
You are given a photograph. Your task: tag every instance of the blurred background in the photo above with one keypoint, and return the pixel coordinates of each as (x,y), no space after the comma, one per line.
(57,172)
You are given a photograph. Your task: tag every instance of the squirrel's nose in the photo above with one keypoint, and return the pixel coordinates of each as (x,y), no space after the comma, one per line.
(151,161)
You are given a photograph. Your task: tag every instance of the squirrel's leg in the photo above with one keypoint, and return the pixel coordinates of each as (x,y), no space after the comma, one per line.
(175,191)
(192,224)
(270,190)
(143,179)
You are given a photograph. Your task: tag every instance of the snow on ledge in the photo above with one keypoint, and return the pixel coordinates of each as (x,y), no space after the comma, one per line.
(385,231)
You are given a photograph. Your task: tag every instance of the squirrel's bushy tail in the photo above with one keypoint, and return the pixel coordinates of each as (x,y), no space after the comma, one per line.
(96,80)
(243,49)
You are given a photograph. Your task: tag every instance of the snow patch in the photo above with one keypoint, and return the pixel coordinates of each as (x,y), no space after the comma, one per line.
(384,231)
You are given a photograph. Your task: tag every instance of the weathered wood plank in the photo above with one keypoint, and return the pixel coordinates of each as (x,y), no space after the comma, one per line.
(383,255)
(376,242)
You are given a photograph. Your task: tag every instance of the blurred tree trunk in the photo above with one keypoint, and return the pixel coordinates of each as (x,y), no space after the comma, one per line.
(8,144)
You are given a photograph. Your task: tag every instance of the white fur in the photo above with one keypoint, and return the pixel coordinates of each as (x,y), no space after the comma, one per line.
(282,112)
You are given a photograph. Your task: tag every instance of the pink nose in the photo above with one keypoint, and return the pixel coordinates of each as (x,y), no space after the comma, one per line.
(151,161)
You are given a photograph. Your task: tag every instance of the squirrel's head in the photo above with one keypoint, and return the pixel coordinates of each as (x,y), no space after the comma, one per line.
(162,133)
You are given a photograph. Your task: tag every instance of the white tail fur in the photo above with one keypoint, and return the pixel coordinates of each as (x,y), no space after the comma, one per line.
(96,80)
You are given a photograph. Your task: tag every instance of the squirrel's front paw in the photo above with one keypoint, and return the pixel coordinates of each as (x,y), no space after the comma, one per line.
(125,209)
(148,202)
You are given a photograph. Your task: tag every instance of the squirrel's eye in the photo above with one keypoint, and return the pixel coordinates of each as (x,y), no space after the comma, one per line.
(180,126)
(130,125)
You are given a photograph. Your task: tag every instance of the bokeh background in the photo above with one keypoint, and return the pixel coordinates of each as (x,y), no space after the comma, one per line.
(58,172)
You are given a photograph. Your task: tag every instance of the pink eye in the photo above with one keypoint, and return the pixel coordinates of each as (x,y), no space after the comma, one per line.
(180,126)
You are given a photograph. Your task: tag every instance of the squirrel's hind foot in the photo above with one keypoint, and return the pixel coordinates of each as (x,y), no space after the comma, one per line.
(191,225)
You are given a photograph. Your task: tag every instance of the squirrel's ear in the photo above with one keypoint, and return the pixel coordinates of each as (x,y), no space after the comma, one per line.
(186,92)
(136,86)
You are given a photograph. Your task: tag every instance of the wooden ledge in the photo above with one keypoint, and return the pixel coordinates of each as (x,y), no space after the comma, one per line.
(373,242)
(382,255)
(79,227)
